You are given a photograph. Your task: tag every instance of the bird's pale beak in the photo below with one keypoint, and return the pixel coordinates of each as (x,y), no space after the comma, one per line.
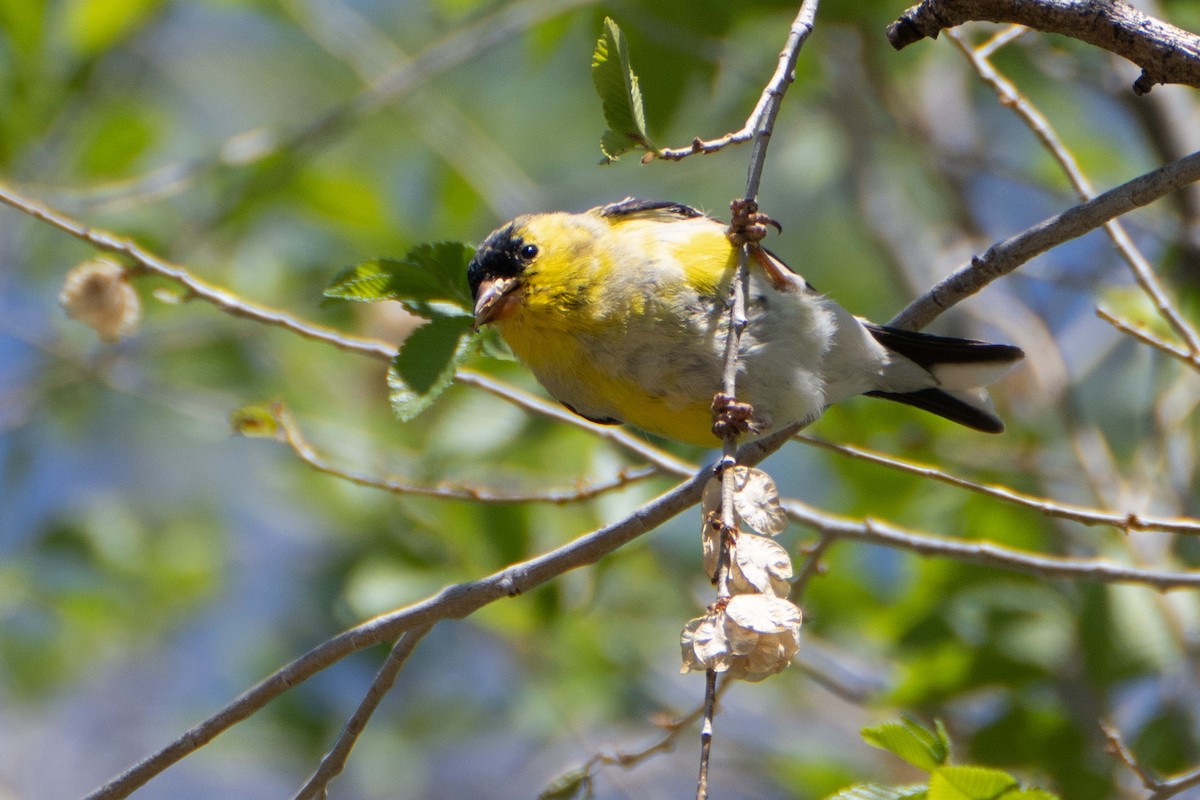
(494,301)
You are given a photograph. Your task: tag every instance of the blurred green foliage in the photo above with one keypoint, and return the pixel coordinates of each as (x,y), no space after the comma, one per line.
(152,566)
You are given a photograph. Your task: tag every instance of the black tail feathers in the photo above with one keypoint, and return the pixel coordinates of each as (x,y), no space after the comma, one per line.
(959,367)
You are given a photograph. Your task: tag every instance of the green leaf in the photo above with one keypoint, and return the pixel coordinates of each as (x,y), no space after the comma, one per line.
(93,26)
(970,783)
(875,791)
(571,786)
(255,422)
(492,346)
(366,282)
(428,273)
(425,365)
(911,741)
(344,195)
(620,96)
(1028,794)
(115,138)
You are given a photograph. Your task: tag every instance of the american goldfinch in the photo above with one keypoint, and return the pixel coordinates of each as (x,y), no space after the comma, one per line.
(621,313)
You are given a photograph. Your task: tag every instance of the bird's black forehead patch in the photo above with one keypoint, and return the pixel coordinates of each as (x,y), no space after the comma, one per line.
(498,256)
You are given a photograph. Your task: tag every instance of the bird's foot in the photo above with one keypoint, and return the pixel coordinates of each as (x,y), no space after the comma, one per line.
(731,417)
(747,225)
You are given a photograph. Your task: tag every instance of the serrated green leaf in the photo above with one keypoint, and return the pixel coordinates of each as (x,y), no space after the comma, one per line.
(431,310)
(425,365)
(942,746)
(428,274)
(492,346)
(912,741)
(970,783)
(446,263)
(875,791)
(620,97)
(366,282)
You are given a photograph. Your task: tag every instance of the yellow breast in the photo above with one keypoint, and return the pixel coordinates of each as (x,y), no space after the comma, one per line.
(617,319)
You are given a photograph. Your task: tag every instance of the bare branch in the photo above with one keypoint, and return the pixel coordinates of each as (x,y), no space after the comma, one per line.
(1165,53)
(746,227)
(986,553)
(291,435)
(1143,273)
(335,760)
(1139,332)
(196,288)
(582,775)
(812,565)
(1159,790)
(1087,516)
(762,118)
(1004,257)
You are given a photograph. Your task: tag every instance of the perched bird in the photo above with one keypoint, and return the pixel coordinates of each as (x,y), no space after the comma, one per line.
(621,313)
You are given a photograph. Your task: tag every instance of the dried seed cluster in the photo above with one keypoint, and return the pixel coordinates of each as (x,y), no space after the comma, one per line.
(753,630)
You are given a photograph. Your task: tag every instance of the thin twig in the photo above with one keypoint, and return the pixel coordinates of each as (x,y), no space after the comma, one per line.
(335,760)
(761,124)
(581,776)
(195,287)
(1004,257)
(986,553)
(812,564)
(1037,122)
(291,435)
(762,118)
(1144,336)
(1002,38)
(1087,516)
(1159,790)
(492,172)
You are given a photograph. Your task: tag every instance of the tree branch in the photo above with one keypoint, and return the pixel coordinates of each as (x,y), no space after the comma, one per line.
(1139,332)
(196,288)
(1165,53)
(744,216)
(986,553)
(453,602)
(289,433)
(1006,256)
(762,118)
(335,760)
(1159,790)
(1143,273)
(1086,516)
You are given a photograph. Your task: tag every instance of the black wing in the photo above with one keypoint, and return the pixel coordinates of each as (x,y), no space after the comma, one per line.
(633,206)
(929,350)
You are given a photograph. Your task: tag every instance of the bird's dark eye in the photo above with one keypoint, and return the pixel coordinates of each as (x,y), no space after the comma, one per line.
(529,251)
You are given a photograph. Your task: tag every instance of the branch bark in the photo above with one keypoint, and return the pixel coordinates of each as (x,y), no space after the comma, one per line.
(1004,257)
(1165,53)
